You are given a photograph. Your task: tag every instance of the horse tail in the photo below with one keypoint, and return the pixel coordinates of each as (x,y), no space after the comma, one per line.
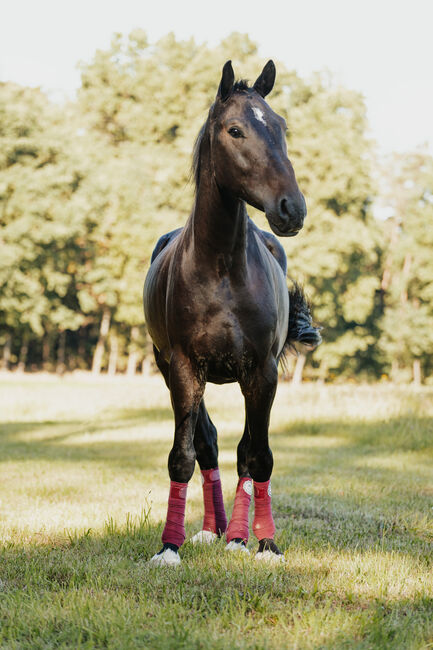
(301,328)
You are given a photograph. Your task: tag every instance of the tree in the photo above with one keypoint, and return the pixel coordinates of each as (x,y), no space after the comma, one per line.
(86,190)
(38,179)
(407,282)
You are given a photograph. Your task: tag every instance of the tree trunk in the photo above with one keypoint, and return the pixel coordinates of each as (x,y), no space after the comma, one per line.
(100,346)
(61,354)
(46,351)
(23,355)
(7,353)
(114,354)
(405,272)
(299,368)
(81,348)
(133,352)
(146,365)
(416,369)
(394,369)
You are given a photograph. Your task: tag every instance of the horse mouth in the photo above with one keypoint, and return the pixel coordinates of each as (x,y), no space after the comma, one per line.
(283,232)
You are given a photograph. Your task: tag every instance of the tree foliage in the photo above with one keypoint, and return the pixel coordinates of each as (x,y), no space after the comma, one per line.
(406,340)
(87,188)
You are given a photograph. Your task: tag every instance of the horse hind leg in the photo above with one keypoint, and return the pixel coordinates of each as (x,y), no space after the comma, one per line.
(206,448)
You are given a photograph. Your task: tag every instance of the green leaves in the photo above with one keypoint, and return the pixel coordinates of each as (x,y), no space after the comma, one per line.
(87,188)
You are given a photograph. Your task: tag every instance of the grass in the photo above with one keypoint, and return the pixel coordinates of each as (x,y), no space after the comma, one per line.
(83,490)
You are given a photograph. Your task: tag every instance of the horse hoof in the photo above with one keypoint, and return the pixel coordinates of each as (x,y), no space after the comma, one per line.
(270,558)
(269,552)
(237,545)
(204,537)
(166,557)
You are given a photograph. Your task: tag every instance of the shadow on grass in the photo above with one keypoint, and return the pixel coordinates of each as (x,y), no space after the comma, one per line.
(98,590)
(354,505)
(50,440)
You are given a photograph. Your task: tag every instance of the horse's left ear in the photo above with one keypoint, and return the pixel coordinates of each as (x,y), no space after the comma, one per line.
(227,81)
(265,81)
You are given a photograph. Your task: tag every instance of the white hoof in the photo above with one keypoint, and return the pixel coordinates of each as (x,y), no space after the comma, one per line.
(270,558)
(204,537)
(166,558)
(236,546)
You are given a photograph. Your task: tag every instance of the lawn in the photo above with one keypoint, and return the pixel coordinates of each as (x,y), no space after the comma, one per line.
(83,491)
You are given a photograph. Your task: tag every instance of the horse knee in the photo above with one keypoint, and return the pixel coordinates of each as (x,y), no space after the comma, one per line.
(260,464)
(181,463)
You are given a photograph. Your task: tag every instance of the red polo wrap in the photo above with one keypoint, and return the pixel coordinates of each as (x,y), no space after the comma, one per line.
(263,524)
(174,530)
(238,527)
(215,518)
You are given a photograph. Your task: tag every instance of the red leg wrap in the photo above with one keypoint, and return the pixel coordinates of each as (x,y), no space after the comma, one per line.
(238,527)
(215,518)
(174,531)
(263,524)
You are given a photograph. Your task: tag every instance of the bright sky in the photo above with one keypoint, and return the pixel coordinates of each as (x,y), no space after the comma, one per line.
(383,48)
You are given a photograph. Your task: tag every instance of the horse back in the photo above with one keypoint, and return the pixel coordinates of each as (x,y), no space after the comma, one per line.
(163,241)
(155,289)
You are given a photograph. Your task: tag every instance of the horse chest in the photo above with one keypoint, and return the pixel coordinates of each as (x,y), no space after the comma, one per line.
(233,330)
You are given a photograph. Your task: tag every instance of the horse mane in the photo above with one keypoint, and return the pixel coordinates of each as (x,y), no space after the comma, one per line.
(239,86)
(195,166)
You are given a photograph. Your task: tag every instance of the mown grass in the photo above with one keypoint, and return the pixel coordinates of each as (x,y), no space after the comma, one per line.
(83,489)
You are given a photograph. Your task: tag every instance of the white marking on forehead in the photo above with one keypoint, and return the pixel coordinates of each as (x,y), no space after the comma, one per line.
(258,114)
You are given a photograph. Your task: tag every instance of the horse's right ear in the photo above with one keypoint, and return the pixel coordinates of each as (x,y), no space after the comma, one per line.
(226,83)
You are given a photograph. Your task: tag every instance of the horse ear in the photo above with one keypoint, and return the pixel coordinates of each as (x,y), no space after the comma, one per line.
(265,81)
(227,81)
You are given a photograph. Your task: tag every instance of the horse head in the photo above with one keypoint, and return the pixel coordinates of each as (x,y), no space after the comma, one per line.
(249,153)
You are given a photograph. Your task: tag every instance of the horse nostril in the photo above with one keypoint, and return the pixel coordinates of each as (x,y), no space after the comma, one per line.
(284,209)
(294,210)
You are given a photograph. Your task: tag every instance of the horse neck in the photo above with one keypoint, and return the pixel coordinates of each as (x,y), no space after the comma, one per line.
(219,221)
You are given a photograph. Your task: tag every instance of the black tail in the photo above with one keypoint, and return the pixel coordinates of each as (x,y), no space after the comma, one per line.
(301,328)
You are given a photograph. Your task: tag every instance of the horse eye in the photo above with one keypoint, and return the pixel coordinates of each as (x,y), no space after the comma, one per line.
(235,132)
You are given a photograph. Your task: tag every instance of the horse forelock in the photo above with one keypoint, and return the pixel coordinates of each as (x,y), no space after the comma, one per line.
(241,85)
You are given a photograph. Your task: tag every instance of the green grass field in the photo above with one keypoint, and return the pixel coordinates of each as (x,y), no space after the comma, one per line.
(83,490)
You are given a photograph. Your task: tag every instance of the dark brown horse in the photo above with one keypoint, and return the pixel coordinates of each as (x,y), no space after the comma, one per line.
(217,308)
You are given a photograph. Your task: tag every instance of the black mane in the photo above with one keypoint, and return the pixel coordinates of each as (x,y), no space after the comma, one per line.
(195,166)
(239,86)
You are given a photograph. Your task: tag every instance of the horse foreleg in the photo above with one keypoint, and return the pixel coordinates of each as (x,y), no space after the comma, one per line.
(186,389)
(259,395)
(238,528)
(206,447)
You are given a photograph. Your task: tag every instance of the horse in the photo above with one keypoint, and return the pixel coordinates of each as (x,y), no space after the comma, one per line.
(218,309)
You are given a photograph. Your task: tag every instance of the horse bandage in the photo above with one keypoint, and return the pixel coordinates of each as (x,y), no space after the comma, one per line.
(238,527)
(174,530)
(263,524)
(215,518)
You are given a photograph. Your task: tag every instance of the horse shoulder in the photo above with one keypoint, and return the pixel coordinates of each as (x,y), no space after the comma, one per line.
(272,244)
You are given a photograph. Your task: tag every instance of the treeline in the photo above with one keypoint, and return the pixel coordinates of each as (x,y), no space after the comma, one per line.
(86,189)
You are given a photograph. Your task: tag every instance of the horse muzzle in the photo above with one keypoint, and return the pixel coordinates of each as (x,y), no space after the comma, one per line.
(288,217)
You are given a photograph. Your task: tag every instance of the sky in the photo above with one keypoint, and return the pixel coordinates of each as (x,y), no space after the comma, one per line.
(382,48)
